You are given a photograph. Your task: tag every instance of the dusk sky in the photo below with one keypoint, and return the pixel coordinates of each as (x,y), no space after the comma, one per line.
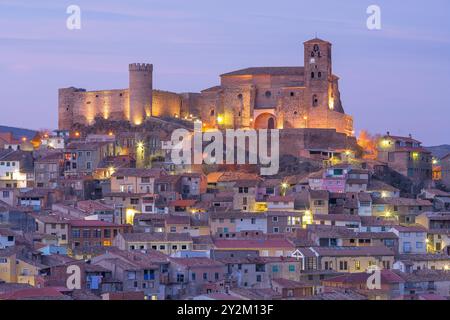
(396,79)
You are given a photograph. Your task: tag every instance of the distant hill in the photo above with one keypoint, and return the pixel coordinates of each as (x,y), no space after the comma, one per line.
(439,151)
(19,132)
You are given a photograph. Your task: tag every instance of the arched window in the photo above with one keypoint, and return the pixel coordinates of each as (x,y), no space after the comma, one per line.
(316,47)
(268,94)
(319,74)
(312,54)
(312,75)
(211,113)
(315,101)
(271,123)
(240,97)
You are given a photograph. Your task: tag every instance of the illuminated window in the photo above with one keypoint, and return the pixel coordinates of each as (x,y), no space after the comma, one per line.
(107,243)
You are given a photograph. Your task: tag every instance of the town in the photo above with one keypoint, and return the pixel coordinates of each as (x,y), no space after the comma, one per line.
(344,217)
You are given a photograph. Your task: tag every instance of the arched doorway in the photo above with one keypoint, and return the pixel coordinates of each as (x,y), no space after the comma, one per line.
(265,121)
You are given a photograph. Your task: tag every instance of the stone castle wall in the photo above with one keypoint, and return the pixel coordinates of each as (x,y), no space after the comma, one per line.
(166,104)
(81,106)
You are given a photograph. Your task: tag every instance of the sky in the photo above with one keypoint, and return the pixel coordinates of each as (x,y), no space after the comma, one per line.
(395,79)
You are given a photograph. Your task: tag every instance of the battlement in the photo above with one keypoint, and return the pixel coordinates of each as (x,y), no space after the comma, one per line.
(140,67)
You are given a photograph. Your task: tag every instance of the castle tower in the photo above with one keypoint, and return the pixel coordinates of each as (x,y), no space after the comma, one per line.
(140,91)
(318,73)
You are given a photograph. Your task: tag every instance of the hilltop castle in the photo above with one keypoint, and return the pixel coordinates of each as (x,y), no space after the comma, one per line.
(261,97)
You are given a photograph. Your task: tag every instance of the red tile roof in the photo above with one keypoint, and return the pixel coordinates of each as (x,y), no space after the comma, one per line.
(254,244)
(387,277)
(92,223)
(47,292)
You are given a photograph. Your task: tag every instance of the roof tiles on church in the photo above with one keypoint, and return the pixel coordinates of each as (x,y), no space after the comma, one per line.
(273,71)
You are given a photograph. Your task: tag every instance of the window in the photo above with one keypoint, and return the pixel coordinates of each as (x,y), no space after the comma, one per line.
(406,247)
(319,74)
(312,75)
(131,275)
(315,101)
(76,233)
(275,219)
(268,94)
(258,278)
(291,268)
(276,230)
(358,265)
(343,265)
(107,233)
(149,274)
(97,233)
(205,276)
(86,233)
(419,245)
(275,268)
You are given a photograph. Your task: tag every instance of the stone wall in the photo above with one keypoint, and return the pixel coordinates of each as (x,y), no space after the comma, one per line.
(166,104)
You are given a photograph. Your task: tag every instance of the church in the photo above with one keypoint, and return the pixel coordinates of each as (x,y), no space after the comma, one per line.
(292,97)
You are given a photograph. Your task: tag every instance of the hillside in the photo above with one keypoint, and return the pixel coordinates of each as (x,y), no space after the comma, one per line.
(439,151)
(19,132)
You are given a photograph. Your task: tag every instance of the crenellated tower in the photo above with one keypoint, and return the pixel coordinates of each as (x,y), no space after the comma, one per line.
(140,92)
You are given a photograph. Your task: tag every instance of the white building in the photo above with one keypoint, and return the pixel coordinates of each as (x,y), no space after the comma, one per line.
(7,238)
(412,239)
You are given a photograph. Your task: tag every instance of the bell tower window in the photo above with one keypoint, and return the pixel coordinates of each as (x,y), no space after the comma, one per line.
(315,101)
(312,75)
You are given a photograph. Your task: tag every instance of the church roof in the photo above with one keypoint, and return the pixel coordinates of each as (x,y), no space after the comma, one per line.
(317,40)
(273,71)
